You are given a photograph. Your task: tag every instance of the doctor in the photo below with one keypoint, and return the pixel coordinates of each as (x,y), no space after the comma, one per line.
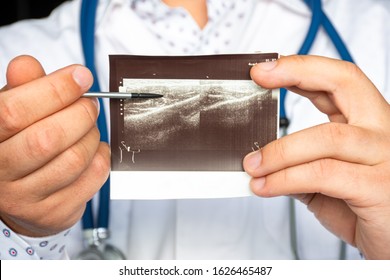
(52,163)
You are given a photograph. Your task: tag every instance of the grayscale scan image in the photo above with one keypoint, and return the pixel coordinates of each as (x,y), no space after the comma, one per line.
(211,114)
(203,125)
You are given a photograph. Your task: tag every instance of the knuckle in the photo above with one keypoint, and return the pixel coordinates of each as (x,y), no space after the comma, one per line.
(285,177)
(44,141)
(299,59)
(322,169)
(101,162)
(88,109)
(349,72)
(11,120)
(81,154)
(56,91)
(352,69)
(78,157)
(96,132)
(280,149)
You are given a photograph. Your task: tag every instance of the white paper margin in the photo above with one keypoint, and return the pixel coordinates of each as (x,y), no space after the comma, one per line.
(175,185)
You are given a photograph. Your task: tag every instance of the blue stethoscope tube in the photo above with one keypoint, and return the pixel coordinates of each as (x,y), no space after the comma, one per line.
(318,18)
(87,29)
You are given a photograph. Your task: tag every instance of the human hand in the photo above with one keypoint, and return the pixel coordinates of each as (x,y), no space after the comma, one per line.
(51,158)
(341,169)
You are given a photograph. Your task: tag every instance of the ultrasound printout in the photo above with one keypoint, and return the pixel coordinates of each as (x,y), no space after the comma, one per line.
(191,142)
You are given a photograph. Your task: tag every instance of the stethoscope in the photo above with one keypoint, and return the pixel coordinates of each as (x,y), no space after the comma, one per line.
(96,231)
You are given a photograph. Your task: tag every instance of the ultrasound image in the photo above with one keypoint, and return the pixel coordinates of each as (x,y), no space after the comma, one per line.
(199,125)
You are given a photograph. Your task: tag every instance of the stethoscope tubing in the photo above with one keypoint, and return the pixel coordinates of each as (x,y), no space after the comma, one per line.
(87,30)
(318,18)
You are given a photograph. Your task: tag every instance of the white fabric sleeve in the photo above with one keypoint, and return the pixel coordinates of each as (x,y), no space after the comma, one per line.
(15,246)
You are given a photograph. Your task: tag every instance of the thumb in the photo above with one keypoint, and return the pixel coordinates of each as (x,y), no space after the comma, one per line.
(21,70)
(337,88)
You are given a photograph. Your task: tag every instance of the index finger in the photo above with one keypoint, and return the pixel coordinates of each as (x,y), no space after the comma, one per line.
(33,101)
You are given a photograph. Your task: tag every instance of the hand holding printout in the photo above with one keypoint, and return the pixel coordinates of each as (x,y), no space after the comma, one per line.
(51,160)
(339,169)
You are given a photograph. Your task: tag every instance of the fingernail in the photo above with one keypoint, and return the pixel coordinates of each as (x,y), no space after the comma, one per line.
(266,66)
(258,184)
(82,76)
(253,160)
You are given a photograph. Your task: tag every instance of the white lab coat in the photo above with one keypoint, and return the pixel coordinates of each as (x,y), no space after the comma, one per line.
(236,228)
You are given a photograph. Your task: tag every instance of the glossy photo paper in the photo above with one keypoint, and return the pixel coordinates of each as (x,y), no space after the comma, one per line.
(190,143)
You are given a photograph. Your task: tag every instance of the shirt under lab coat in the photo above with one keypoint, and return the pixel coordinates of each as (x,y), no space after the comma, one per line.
(233,228)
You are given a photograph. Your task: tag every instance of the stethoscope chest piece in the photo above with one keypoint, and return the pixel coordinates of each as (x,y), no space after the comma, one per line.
(97,246)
